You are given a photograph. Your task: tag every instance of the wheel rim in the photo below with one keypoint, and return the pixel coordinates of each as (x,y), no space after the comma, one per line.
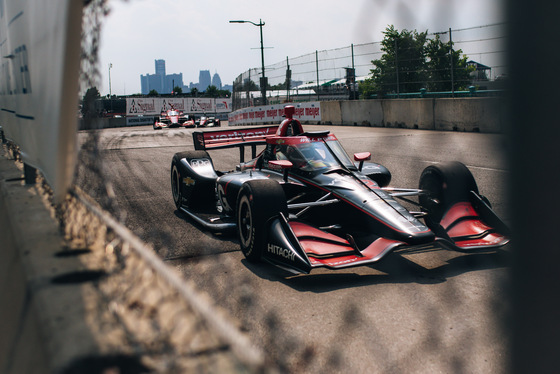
(245,222)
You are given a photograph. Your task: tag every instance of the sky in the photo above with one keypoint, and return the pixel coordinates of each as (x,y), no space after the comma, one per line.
(194,35)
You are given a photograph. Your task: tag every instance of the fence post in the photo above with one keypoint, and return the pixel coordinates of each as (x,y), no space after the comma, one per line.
(317,68)
(451,62)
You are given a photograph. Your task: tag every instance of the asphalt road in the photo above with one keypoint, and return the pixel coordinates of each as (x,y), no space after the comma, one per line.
(424,312)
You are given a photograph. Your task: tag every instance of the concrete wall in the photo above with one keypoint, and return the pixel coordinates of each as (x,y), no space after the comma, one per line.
(409,113)
(470,114)
(458,114)
(43,325)
(62,305)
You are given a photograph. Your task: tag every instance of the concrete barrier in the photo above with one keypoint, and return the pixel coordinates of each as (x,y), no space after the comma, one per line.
(43,324)
(457,114)
(77,296)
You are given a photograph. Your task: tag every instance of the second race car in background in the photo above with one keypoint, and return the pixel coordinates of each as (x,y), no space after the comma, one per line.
(207,122)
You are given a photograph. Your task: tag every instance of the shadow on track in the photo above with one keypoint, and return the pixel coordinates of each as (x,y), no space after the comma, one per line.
(392,269)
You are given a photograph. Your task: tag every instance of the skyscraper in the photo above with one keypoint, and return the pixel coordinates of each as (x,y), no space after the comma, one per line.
(216,81)
(204,80)
(160,82)
(160,67)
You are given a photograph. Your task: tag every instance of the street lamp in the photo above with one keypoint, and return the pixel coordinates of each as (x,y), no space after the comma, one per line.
(110,94)
(263,78)
(110,66)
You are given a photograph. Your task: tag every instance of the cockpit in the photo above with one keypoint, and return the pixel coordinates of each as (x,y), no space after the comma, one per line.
(311,156)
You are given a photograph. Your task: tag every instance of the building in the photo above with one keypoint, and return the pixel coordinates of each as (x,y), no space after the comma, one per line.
(171,81)
(216,81)
(204,80)
(160,81)
(151,82)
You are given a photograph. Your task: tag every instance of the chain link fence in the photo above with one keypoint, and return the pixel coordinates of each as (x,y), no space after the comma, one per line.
(327,74)
(174,332)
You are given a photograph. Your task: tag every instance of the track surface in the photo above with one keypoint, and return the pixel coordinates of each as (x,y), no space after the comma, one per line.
(418,312)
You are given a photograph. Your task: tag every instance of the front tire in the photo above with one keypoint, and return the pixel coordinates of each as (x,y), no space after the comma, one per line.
(446,184)
(258,201)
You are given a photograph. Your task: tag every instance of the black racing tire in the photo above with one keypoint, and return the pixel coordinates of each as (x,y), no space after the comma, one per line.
(178,172)
(258,201)
(446,184)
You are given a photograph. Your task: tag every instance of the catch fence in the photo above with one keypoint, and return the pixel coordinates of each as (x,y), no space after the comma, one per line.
(327,74)
(168,312)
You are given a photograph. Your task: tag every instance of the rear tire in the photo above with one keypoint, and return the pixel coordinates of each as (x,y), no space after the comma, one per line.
(187,195)
(446,184)
(258,201)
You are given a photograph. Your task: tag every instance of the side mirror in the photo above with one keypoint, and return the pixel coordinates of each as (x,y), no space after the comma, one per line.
(361,157)
(285,165)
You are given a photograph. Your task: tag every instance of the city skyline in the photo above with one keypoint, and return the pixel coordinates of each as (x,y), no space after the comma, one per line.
(232,49)
(165,83)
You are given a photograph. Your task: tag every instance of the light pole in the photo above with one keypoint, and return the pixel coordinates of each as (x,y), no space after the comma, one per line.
(263,78)
(110,93)
(110,66)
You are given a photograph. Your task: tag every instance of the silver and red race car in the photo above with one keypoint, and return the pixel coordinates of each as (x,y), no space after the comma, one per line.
(173,118)
(207,122)
(303,203)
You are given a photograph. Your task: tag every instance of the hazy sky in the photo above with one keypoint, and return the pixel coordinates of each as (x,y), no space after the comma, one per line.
(194,35)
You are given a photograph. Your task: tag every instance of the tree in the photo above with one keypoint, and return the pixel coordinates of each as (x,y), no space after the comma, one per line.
(402,67)
(177,90)
(153,93)
(439,64)
(211,91)
(88,102)
(249,85)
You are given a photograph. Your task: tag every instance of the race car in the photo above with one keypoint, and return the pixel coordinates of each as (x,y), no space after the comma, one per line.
(303,203)
(207,122)
(173,118)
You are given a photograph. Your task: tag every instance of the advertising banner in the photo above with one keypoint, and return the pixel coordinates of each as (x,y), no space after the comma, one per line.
(153,106)
(310,111)
(39,71)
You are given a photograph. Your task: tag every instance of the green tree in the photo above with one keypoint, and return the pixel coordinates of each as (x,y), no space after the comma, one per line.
(224,93)
(439,64)
(250,86)
(194,92)
(88,102)
(177,90)
(211,91)
(402,66)
(153,93)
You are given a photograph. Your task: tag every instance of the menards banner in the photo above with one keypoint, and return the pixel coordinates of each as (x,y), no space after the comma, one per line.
(305,112)
(153,106)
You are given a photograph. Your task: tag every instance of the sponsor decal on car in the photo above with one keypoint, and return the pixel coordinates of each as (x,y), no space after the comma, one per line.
(200,162)
(189,181)
(280,251)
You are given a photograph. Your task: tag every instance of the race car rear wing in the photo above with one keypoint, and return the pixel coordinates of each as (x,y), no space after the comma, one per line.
(254,136)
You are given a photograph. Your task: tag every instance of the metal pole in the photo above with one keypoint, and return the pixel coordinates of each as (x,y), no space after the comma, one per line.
(317,68)
(353,88)
(451,62)
(110,93)
(263,78)
(397,67)
(288,79)
(263,83)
